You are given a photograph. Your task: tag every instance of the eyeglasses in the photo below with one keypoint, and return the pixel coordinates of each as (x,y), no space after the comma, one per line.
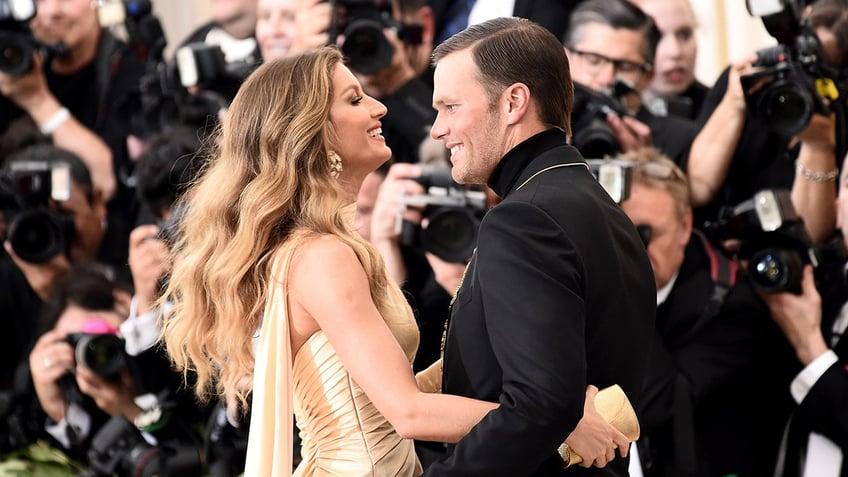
(595,64)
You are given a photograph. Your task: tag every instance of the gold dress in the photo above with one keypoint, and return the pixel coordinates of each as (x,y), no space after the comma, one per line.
(342,433)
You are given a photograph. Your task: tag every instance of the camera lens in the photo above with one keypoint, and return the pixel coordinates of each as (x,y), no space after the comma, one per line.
(36,236)
(788,107)
(366,47)
(451,234)
(595,140)
(15,55)
(776,270)
(12,56)
(101,353)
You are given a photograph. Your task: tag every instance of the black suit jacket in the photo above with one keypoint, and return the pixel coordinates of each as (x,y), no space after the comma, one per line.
(551,14)
(559,294)
(691,414)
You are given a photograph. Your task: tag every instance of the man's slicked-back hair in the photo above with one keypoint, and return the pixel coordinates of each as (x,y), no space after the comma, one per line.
(616,14)
(513,50)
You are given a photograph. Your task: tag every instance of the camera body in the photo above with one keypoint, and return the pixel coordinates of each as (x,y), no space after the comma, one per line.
(792,79)
(36,232)
(365,46)
(771,239)
(119,449)
(452,216)
(17,44)
(591,134)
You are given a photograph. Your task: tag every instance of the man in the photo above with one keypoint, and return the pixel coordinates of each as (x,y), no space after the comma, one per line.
(710,326)
(558,294)
(26,284)
(610,40)
(737,154)
(232,27)
(82,98)
(674,88)
(814,326)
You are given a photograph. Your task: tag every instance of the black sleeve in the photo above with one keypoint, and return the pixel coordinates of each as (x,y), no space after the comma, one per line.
(529,277)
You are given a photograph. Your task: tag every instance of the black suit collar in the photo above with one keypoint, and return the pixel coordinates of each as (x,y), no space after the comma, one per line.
(513,165)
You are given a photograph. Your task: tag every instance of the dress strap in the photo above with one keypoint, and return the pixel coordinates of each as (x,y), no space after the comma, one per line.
(269,445)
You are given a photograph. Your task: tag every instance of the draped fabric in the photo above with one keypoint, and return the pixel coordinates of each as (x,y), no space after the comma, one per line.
(269,446)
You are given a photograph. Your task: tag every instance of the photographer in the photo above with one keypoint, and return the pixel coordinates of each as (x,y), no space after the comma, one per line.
(709,325)
(56,235)
(813,322)
(611,46)
(81,94)
(105,407)
(233,28)
(739,150)
(387,44)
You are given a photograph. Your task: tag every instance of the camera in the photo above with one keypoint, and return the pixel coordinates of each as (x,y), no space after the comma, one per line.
(17,44)
(36,232)
(452,215)
(771,238)
(793,78)
(102,353)
(365,46)
(592,136)
(119,449)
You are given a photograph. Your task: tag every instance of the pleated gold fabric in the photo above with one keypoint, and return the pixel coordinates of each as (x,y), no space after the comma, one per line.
(342,432)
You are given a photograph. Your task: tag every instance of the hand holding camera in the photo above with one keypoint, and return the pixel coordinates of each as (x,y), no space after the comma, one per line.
(49,361)
(149,261)
(799,317)
(313,20)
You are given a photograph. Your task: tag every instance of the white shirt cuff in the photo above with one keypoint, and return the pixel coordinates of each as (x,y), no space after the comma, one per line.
(77,419)
(140,332)
(805,380)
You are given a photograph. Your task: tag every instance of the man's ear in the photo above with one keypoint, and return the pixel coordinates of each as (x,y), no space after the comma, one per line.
(518,102)
(427,19)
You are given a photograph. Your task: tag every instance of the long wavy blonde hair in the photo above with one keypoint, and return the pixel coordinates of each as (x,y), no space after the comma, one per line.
(268,181)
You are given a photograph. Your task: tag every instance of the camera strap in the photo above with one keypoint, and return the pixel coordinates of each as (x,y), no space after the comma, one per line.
(555,166)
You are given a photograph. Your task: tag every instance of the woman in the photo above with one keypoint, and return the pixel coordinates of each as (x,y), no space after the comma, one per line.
(269,230)
(268,244)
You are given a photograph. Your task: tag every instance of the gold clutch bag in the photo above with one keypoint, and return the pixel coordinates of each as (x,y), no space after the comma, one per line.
(612,404)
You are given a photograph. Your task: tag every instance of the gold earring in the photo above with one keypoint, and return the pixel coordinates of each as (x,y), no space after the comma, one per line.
(335,163)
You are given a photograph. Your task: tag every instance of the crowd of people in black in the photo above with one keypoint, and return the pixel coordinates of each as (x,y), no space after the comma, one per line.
(737,189)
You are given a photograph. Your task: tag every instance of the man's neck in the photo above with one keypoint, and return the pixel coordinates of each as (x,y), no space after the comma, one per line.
(78,57)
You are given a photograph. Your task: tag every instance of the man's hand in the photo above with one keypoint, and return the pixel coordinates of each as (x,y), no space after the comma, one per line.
(631,133)
(50,359)
(312,22)
(594,439)
(149,260)
(28,90)
(799,316)
(398,183)
(114,398)
(447,274)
